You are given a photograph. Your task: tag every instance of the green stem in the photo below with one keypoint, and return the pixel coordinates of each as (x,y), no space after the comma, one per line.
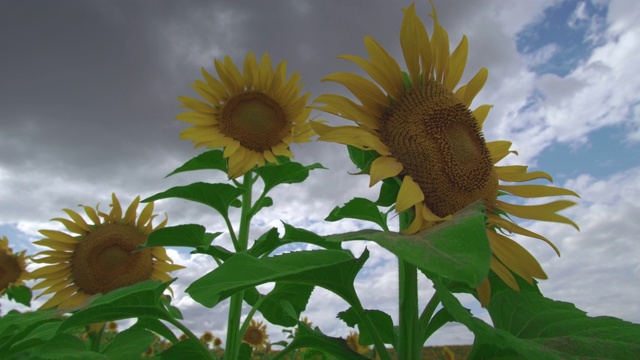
(97,339)
(188,332)
(247,321)
(232,233)
(409,346)
(377,340)
(234,336)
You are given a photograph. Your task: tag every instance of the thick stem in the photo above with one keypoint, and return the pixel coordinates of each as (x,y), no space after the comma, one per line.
(409,346)
(234,336)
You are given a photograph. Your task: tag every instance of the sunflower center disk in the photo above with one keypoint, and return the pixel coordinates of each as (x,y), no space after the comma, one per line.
(9,270)
(440,145)
(253,336)
(255,120)
(105,259)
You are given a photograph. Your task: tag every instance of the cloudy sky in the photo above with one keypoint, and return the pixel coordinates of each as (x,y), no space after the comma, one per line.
(88,99)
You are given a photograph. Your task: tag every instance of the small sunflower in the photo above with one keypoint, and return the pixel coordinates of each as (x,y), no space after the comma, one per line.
(217,342)
(425,135)
(12,267)
(101,257)
(353,341)
(254,115)
(256,335)
(112,326)
(207,337)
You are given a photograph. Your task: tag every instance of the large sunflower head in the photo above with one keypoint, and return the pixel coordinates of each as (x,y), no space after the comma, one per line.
(99,257)
(425,134)
(254,115)
(12,267)
(256,335)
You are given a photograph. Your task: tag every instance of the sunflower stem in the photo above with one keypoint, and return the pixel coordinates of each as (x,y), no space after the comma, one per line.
(427,314)
(234,334)
(190,334)
(383,353)
(247,321)
(409,346)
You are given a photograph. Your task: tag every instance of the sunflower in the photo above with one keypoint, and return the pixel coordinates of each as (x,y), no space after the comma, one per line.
(256,335)
(101,257)
(254,115)
(207,337)
(420,125)
(112,326)
(12,267)
(353,342)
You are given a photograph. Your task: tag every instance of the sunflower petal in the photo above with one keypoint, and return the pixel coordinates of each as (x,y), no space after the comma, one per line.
(409,194)
(54,244)
(197,105)
(378,75)
(474,86)
(384,167)
(59,297)
(517,173)
(145,215)
(499,150)
(364,90)
(504,273)
(71,226)
(50,269)
(534,191)
(514,228)
(484,292)
(59,236)
(343,107)
(457,63)
(416,224)
(544,212)
(381,59)
(355,136)
(197,118)
(250,70)
(116,209)
(78,219)
(219,90)
(130,214)
(410,43)
(480,113)
(515,257)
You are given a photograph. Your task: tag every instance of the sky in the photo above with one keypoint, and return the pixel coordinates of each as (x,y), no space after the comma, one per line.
(88,96)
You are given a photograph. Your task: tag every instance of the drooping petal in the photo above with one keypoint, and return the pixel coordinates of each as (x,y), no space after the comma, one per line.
(544,212)
(514,228)
(499,150)
(535,191)
(518,173)
(409,194)
(504,273)
(515,257)
(384,167)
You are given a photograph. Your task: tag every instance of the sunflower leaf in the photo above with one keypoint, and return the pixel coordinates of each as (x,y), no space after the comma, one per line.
(20,294)
(185,349)
(187,235)
(210,160)
(286,173)
(359,209)
(15,326)
(457,249)
(272,308)
(334,270)
(381,320)
(361,158)
(60,347)
(158,327)
(293,234)
(216,196)
(534,327)
(314,338)
(388,192)
(129,344)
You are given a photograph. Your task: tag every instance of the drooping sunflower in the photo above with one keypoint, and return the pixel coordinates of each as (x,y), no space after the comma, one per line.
(100,257)
(425,134)
(13,267)
(256,335)
(254,115)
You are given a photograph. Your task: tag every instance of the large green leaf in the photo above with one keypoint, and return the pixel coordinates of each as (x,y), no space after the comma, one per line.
(210,160)
(15,326)
(359,209)
(20,294)
(136,301)
(130,344)
(185,349)
(381,320)
(217,196)
(273,308)
(158,327)
(293,234)
(287,173)
(362,158)
(39,335)
(334,270)
(187,235)
(314,338)
(60,347)
(457,249)
(530,326)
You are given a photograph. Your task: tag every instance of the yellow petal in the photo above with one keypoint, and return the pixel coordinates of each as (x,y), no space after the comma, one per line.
(233,71)
(474,86)
(534,191)
(59,297)
(160,254)
(164,267)
(50,269)
(429,216)
(515,257)
(480,113)
(116,209)
(416,224)
(78,219)
(544,212)
(382,60)
(504,273)
(51,260)
(57,287)
(499,150)
(145,215)
(71,226)
(355,136)
(457,63)
(54,244)
(409,41)
(219,90)
(266,72)
(49,282)
(130,214)
(268,155)
(282,150)
(74,300)
(343,107)
(250,70)
(378,75)
(440,47)
(409,194)
(197,105)
(514,228)
(364,90)
(197,118)
(231,148)
(384,167)
(227,78)
(517,173)
(205,91)
(59,236)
